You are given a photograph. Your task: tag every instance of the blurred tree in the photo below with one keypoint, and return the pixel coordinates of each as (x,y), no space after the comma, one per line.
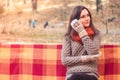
(98,5)
(1,8)
(34,5)
(63,11)
(114,10)
(114,5)
(111,13)
(9,4)
(24,1)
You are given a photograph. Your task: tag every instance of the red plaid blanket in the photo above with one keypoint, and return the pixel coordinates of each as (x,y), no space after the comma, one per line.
(110,62)
(42,62)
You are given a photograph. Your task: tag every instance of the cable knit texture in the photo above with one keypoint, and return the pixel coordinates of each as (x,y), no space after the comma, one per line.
(72,53)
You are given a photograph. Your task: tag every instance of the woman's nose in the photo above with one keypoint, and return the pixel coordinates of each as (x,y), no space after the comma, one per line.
(86,18)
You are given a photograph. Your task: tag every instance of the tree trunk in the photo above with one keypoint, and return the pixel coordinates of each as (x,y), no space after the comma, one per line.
(7,3)
(34,5)
(98,5)
(24,1)
(106,27)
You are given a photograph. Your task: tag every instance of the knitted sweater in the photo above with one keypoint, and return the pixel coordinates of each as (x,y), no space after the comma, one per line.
(72,52)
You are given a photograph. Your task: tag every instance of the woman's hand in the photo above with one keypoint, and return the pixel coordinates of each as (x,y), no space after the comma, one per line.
(87,58)
(95,57)
(78,27)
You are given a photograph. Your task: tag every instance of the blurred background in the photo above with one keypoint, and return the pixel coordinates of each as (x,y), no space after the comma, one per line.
(46,21)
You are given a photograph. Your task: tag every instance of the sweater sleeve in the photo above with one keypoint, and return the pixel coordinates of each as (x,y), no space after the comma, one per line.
(91,45)
(66,57)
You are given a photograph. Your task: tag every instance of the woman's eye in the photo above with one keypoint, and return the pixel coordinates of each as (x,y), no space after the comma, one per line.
(82,16)
(88,15)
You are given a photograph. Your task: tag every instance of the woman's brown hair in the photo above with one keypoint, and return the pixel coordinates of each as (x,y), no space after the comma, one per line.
(76,15)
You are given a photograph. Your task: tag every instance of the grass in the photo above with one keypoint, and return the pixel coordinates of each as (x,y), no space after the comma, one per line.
(34,35)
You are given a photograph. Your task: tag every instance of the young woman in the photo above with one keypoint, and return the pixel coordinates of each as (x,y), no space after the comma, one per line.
(80,49)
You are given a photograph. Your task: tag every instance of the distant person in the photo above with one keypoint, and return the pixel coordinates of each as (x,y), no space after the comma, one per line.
(33,23)
(46,24)
(80,48)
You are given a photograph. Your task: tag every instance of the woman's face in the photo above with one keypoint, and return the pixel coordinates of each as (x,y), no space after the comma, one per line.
(85,18)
